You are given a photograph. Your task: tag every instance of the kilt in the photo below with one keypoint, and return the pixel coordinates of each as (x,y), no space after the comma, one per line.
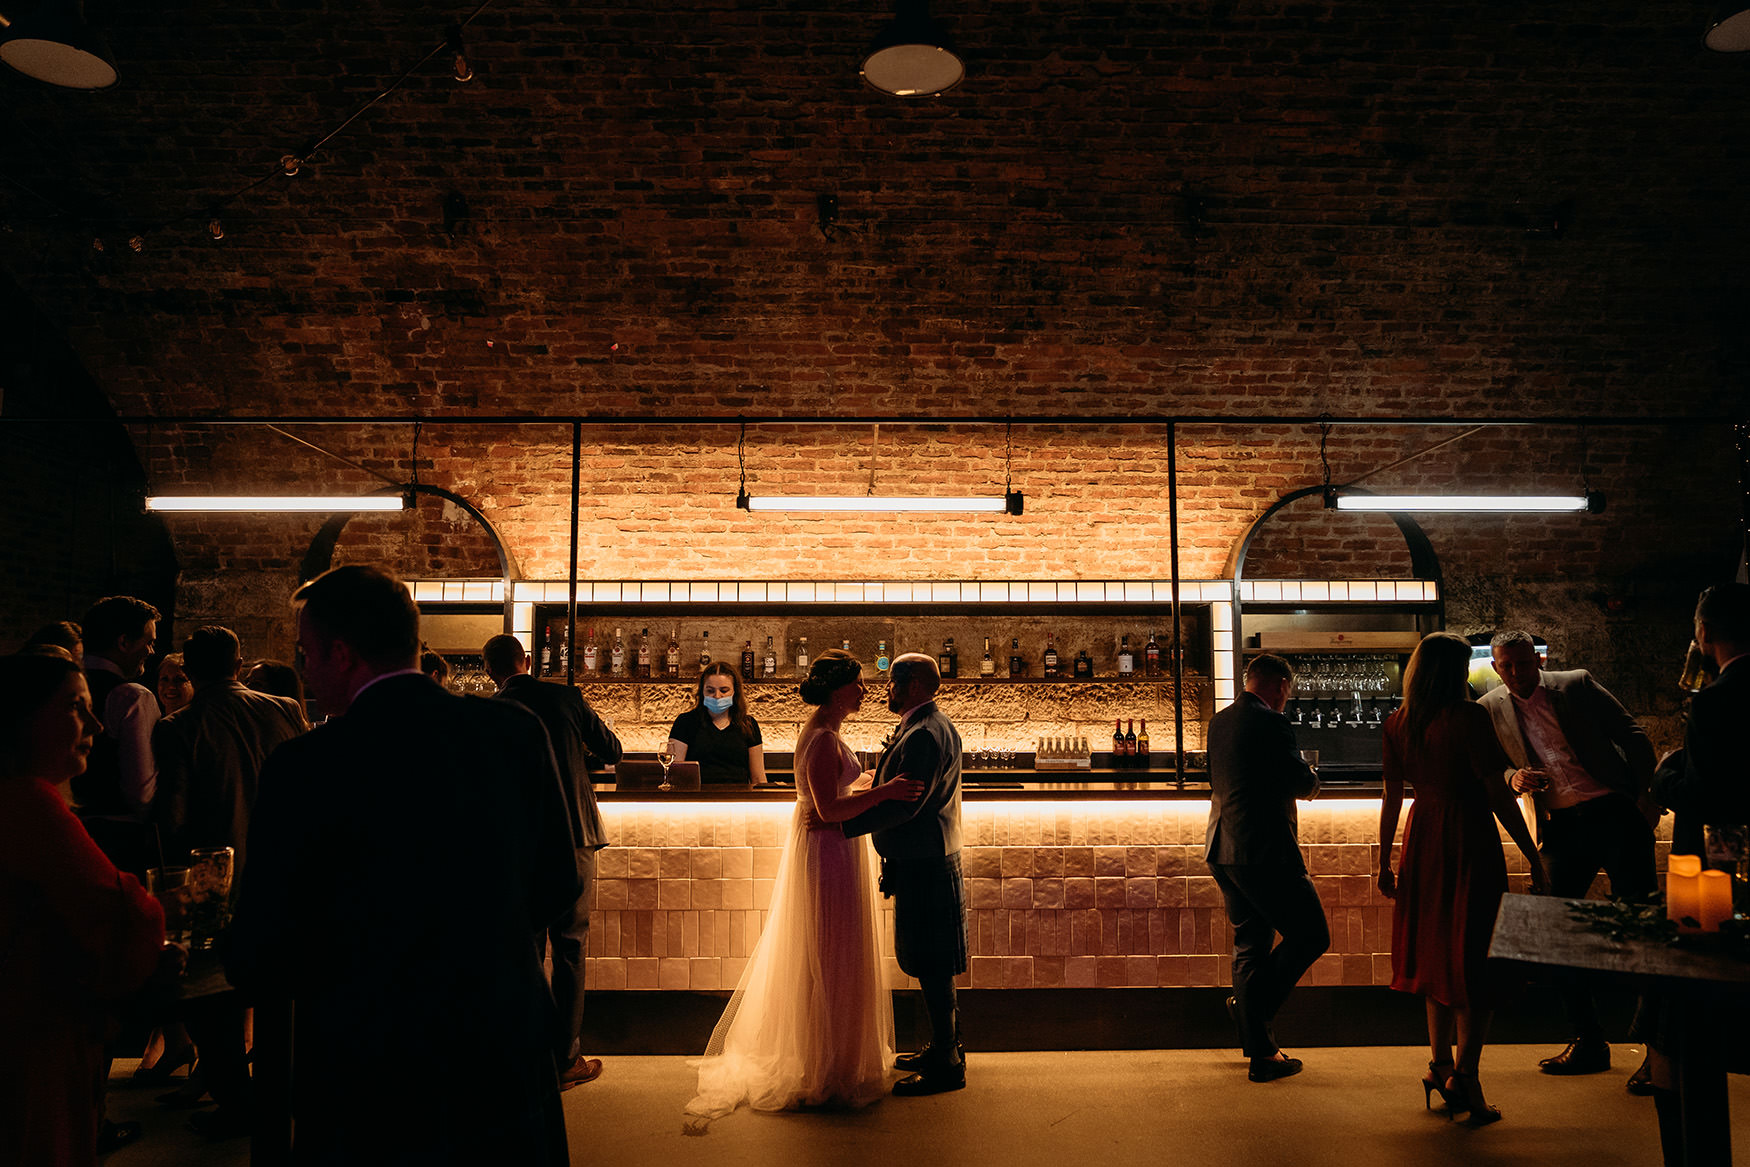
(929,915)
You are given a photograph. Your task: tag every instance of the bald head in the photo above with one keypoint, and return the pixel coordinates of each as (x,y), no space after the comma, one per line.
(504,657)
(915,681)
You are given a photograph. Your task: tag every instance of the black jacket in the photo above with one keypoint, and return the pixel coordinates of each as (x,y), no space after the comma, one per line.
(1255,774)
(581,744)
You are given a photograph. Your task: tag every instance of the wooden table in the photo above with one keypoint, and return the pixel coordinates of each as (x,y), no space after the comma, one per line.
(1693,981)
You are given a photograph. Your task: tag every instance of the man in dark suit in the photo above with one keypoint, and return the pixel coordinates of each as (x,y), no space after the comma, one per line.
(919,845)
(581,742)
(400,856)
(1586,763)
(1253,851)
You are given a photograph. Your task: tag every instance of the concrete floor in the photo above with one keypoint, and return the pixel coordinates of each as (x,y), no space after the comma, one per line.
(1352,1107)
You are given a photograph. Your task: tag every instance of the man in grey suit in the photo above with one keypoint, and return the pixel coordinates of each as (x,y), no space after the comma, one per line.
(1586,764)
(581,744)
(1253,851)
(919,845)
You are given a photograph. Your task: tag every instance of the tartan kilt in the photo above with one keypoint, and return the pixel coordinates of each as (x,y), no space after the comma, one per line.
(929,915)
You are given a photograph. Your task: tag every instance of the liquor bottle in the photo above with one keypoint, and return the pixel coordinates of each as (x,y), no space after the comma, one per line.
(671,663)
(547,653)
(1130,742)
(1151,655)
(564,653)
(987,667)
(644,654)
(1084,664)
(747,660)
(945,662)
(1050,656)
(771,662)
(1017,666)
(1117,744)
(882,663)
(704,649)
(802,656)
(1142,746)
(1126,659)
(617,662)
(591,656)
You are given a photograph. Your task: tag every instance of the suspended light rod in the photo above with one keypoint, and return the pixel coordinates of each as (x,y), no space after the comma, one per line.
(1465,503)
(267,504)
(1010,503)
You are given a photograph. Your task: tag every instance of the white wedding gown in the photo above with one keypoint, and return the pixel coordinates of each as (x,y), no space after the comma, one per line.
(811,1023)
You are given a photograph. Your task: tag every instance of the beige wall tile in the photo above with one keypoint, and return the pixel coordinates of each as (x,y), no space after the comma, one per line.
(673,972)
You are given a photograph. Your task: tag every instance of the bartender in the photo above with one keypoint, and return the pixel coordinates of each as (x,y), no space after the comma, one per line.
(718,734)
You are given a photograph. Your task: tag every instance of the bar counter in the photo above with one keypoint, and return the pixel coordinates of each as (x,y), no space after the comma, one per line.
(1081,886)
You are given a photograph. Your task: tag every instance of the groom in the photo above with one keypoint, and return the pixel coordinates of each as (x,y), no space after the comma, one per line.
(919,844)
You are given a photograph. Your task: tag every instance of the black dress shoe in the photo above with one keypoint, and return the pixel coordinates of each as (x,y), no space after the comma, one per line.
(1270,1069)
(1581,1057)
(938,1080)
(925,1058)
(113,1136)
(1640,1083)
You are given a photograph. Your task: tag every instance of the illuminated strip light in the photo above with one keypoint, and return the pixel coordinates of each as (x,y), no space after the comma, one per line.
(1010,503)
(1471,503)
(271,504)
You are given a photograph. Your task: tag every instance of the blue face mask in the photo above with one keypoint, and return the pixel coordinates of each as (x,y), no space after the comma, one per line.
(719,704)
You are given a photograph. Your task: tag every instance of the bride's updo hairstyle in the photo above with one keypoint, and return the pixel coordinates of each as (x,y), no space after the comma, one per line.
(827,672)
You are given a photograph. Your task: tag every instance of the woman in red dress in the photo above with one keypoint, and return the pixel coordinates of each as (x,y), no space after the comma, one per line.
(1448,888)
(76,935)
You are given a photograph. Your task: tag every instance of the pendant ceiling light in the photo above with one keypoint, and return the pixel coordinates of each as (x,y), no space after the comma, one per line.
(1010,503)
(912,56)
(53,44)
(1730,32)
(1464,503)
(276,503)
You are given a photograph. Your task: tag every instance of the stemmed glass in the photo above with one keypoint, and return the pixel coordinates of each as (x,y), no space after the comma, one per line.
(665,758)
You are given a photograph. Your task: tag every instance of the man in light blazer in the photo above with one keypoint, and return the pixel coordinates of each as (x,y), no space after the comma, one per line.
(919,845)
(1585,763)
(1253,851)
(581,743)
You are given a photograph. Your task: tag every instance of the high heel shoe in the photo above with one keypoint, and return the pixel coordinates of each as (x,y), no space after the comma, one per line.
(1436,1079)
(158,1073)
(1471,1099)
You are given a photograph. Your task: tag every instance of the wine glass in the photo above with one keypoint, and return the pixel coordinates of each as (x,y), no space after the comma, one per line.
(665,759)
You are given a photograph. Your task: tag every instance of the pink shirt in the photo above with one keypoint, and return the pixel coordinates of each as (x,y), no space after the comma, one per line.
(1569,783)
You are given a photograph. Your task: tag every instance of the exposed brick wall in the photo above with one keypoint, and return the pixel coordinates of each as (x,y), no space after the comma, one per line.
(1128,209)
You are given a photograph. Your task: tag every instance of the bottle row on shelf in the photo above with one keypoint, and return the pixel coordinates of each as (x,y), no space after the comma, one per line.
(645,659)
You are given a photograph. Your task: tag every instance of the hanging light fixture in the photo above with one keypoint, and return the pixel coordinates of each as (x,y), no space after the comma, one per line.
(912,57)
(1730,31)
(1592,502)
(275,503)
(1010,502)
(54,44)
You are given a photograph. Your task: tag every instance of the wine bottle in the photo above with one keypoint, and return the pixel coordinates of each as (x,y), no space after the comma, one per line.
(591,656)
(644,654)
(704,649)
(1130,742)
(987,667)
(747,659)
(1142,745)
(671,663)
(1050,656)
(1017,666)
(771,662)
(1126,659)
(882,663)
(1117,744)
(1151,655)
(802,656)
(617,661)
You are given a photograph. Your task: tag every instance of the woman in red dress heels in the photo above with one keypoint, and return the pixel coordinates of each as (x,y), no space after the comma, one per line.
(1448,888)
(76,935)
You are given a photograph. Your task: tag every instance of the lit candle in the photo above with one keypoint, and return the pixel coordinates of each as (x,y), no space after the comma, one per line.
(1683,890)
(1715,894)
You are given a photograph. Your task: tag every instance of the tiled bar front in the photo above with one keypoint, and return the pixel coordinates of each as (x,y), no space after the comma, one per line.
(1061,894)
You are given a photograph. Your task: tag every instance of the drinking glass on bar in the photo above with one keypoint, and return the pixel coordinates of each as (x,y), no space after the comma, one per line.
(209,893)
(665,759)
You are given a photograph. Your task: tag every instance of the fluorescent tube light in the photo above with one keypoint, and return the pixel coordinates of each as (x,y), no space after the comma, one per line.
(1470,503)
(288,503)
(1010,503)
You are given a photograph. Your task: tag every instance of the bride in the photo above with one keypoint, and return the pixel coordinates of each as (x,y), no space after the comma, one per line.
(810,1024)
